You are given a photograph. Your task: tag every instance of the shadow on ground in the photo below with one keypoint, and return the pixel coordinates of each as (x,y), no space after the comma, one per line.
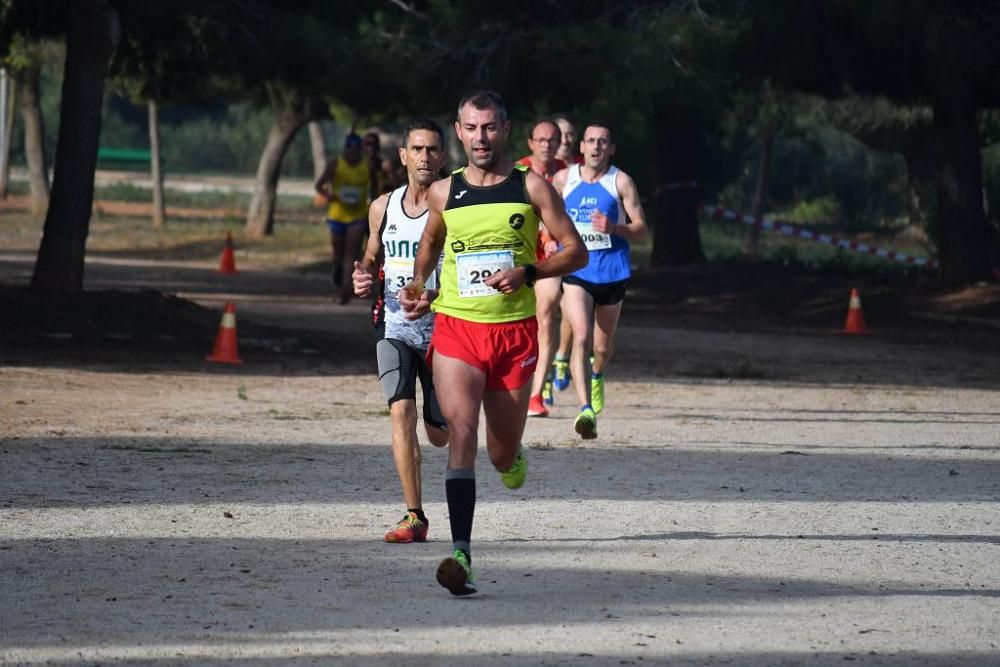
(164,471)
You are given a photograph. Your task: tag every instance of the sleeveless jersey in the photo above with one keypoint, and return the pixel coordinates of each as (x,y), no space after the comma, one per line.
(609,255)
(350,187)
(489,229)
(400,235)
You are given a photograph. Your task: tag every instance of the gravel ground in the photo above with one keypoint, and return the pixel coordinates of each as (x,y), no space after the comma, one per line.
(759,498)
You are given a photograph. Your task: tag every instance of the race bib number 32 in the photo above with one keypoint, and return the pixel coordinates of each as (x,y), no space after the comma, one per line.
(473,268)
(399,271)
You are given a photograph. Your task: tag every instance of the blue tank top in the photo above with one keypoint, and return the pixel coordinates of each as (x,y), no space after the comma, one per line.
(609,255)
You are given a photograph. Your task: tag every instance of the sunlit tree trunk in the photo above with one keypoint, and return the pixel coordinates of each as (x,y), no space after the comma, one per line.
(90,40)
(318,144)
(34,138)
(156,170)
(291,112)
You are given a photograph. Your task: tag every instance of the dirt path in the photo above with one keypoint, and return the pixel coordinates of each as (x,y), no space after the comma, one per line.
(758,495)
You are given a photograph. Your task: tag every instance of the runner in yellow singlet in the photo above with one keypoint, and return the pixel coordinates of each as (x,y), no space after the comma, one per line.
(485,347)
(346,185)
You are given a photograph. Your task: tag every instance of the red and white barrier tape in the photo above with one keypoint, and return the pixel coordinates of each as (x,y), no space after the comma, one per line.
(717,213)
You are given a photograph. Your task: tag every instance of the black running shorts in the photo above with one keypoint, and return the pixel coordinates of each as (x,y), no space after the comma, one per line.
(604,294)
(399,366)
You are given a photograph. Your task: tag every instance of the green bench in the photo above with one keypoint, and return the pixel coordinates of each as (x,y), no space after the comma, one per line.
(124,158)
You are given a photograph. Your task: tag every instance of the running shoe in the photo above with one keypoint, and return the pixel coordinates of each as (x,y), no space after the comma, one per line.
(547,397)
(514,478)
(536,407)
(586,423)
(409,529)
(561,381)
(597,394)
(455,574)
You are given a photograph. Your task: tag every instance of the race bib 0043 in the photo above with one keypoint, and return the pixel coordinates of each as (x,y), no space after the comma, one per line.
(473,268)
(593,240)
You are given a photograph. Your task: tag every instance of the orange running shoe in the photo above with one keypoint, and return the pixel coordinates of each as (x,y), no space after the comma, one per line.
(536,407)
(409,529)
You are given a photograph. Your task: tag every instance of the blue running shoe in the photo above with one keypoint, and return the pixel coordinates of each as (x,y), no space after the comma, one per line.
(561,375)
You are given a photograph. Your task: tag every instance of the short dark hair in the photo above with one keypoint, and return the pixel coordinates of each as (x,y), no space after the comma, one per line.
(485,99)
(601,124)
(542,121)
(428,124)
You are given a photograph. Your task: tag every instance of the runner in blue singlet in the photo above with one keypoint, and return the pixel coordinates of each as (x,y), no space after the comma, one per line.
(603,203)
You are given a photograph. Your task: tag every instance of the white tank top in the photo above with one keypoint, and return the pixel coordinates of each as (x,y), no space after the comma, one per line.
(400,235)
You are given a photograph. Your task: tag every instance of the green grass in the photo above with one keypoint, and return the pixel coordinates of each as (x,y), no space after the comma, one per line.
(215,199)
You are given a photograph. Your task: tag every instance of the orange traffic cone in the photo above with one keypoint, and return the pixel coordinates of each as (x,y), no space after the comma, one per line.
(224,350)
(227,262)
(855,323)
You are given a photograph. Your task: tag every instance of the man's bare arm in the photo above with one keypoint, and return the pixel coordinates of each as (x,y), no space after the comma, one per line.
(637,229)
(323,182)
(549,205)
(364,271)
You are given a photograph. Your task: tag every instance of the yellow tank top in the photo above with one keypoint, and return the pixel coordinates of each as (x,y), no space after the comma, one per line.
(350,187)
(488,229)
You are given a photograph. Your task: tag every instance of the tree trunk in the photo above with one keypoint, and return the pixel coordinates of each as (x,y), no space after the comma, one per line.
(159,207)
(921,185)
(8,90)
(752,239)
(964,235)
(90,40)
(34,138)
(677,239)
(318,143)
(290,114)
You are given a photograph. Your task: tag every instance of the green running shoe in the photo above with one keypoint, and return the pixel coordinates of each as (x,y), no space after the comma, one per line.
(597,394)
(586,423)
(514,478)
(455,574)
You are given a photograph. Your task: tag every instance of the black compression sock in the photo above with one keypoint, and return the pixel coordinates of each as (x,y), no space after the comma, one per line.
(419,513)
(460,490)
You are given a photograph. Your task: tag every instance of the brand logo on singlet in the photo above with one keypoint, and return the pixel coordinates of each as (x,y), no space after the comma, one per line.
(392,227)
(461,194)
(516,221)
(457,246)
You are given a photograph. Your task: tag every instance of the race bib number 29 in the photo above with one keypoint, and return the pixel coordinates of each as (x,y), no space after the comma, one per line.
(473,268)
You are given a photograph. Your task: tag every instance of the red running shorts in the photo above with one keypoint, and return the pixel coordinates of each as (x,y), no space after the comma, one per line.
(507,352)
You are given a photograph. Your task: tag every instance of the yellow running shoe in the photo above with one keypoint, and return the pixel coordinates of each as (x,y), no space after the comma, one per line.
(586,423)
(597,394)
(514,478)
